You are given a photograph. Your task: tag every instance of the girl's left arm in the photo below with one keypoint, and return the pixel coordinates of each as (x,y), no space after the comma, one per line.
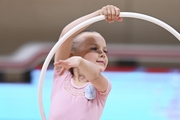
(89,70)
(93,75)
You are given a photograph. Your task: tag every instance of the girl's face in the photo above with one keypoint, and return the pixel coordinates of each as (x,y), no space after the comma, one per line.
(92,47)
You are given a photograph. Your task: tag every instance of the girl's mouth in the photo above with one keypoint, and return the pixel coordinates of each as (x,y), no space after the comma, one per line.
(101,62)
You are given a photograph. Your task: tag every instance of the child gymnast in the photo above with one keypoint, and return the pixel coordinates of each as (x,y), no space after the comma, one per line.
(79,90)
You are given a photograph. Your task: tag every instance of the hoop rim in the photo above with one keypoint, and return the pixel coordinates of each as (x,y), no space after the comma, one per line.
(81,25)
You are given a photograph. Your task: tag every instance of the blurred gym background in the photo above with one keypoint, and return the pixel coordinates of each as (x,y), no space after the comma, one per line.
(144,57)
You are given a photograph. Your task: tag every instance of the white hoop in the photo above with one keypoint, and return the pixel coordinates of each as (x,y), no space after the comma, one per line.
(83,24)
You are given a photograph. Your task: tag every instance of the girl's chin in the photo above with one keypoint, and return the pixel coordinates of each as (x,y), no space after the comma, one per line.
(102,69)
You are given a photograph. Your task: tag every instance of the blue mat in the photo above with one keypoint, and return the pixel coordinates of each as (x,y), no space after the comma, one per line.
(134,96)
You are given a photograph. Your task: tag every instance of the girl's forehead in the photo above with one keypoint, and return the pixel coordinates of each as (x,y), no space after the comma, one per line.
(92,39)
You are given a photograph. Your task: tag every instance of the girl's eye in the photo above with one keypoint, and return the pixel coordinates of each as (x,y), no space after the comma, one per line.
(94,48)
(105,51)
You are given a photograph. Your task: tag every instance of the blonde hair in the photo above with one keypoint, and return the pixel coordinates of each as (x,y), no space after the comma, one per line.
(76,39)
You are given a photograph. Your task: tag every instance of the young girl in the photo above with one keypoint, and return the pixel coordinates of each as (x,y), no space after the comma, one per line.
(79,89)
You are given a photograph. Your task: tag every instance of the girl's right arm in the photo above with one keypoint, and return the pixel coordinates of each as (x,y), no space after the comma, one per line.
(64,50)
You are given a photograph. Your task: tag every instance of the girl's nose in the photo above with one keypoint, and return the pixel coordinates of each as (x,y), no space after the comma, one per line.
(101,53)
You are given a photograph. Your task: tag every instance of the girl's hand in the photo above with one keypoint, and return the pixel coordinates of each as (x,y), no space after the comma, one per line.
(111,13)
(68,63)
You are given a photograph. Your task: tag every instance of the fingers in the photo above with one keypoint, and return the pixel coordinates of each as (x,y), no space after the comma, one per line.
(62,71)
(117,12)
(63,64)
(111,13)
